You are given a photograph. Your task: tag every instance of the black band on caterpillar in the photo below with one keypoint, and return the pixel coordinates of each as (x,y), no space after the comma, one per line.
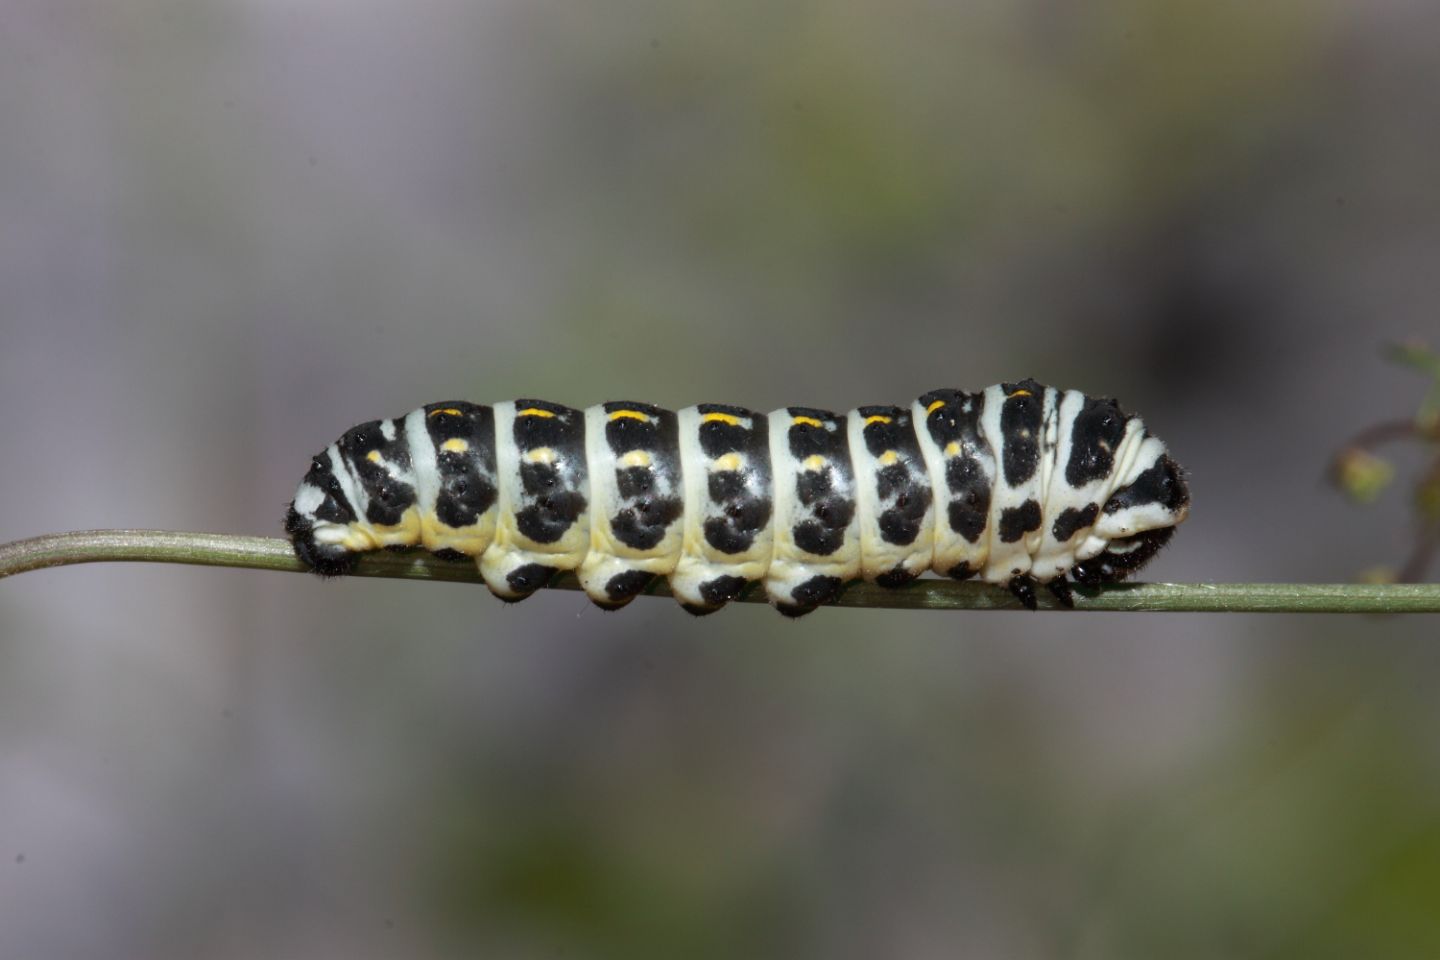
(1018,484)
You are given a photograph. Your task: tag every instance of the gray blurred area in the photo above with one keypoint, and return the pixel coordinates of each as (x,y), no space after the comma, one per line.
(231,229)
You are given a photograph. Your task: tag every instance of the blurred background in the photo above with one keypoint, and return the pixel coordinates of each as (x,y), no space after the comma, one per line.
(231,229)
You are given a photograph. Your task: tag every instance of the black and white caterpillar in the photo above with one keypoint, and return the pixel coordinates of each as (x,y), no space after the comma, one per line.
(1019,484)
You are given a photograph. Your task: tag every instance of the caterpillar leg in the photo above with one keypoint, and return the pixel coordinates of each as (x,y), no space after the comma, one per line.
(1060,588)
(701,589)
(1023,587)
(795,599)
(611,582)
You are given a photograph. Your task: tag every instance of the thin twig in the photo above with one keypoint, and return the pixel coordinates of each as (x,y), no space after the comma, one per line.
(1390,431)
(266,553)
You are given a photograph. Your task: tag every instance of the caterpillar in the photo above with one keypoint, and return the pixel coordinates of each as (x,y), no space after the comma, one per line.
(1019,484)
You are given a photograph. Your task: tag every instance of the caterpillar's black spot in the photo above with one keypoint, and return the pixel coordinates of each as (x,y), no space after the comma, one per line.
(1020,427)
(1071,521)
(812,485)
(558,430)
(529,578)
(1161,484)
(463,499)
(635,482)
(897,577)
(729,536)
(550,516)
(961,571)
(719,437)
(726,485)
(817,537)
(968,511)
(643,526)
(389,503)
(811,594)
(627,433)
(1015,522)
(886,428)
(722,590)
(910,502)
(818,590)
(807,439)
(1099,427)
(624,587)
(899,528)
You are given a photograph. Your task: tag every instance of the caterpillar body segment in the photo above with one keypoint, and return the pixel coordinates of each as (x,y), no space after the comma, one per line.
(457,478)
(1017,484)
(817,538)
(729,529)
(543,497)
(897,524)
(637,500)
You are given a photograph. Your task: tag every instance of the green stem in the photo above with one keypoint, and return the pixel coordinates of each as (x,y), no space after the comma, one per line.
(266,553)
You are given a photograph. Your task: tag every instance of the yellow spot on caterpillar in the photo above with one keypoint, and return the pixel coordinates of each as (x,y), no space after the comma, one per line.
(533,412)
(455,445)
(935,406)
(1021,393)
(952,449)
(878,418)
(541,454)
(807,421)
(635,458)
(734,421)
(889,458)
(373,456)
(630,415)
(729,462)
(450,410)
(814,462)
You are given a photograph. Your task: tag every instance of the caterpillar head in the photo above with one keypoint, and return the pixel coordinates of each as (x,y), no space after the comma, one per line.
(319,519)
(1138,520)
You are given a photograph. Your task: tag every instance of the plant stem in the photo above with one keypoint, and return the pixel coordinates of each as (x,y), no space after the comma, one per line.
(266,553)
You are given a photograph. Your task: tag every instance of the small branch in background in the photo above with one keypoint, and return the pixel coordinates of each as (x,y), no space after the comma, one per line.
(1362,474)
(266,553)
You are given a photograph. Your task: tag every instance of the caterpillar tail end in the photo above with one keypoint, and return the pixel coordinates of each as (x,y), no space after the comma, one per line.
(1122,557)
(326,560)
